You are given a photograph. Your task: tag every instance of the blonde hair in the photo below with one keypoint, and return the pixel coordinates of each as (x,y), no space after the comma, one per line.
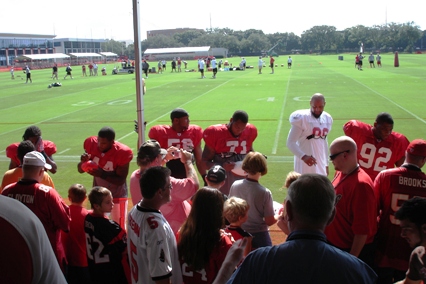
(291,177)
(235,208)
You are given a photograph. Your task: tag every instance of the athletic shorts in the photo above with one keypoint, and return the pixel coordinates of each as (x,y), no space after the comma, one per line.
(272,65)
(371,62)
(202,70)
(379,62)
(214,70)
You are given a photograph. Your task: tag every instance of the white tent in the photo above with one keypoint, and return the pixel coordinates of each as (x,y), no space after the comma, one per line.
(85,54)
(108,54)
(182,52)
(45,56)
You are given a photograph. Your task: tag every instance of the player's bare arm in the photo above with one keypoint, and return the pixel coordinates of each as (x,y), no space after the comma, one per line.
(207,159)
(198,153)
(117,177)
(357,244)
(12,165)
(83,158)
(400,162)
(51,162)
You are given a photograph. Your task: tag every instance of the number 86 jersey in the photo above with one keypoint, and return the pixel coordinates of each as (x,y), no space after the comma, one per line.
(375,155)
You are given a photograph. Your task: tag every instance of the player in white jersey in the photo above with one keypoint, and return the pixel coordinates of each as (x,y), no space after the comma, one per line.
(307,138)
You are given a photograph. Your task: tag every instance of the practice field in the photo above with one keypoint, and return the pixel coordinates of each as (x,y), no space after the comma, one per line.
(78,109)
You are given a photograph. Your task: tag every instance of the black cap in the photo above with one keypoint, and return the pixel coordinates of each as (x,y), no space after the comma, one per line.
(178,113)
(216,174)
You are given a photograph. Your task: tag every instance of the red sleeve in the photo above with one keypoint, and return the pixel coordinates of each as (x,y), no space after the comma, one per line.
(348,127)
(89,144)
(153,133)
(49,147)
(125,155)
(198,135)
(60,212)
(12,153)
(209,136)
(401,145)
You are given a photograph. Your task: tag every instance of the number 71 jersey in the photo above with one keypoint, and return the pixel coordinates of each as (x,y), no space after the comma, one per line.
(219,138)
(375,155)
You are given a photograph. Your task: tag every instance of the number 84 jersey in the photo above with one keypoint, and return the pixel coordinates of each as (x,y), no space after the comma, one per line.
(375,155)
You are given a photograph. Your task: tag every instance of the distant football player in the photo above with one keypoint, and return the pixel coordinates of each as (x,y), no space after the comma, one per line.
(226,144)
(378,147)
(394,187)
(181,135)
(112,159)
(45,147)
(307,138)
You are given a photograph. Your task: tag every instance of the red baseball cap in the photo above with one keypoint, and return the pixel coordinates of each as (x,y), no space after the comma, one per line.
(417,147)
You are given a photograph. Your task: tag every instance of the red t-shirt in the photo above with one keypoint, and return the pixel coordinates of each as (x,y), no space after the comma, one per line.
(48,206)
(208,273)
(393,187)
(75,240)
(12,150)
(375,156)
(118,155)
(219,138)
(356,209)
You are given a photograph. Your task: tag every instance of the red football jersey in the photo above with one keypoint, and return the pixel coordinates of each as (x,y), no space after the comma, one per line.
(47,205)
(74,241)
(375,155)
(393,187)
(187,140)
(209,272)
(118,155)
(167,136)
(12,150)
(219,138)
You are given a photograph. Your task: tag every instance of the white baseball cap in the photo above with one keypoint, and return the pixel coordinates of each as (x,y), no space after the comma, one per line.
(35,158)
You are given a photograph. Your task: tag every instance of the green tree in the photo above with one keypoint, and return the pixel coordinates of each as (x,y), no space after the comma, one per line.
(319,37)
(186,37)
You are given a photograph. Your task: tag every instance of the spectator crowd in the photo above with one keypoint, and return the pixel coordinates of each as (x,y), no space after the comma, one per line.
(366,224)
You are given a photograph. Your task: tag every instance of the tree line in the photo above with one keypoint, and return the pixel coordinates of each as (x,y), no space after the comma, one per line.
(407,37)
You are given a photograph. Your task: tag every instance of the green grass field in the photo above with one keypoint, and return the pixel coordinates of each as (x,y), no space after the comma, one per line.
(78,109)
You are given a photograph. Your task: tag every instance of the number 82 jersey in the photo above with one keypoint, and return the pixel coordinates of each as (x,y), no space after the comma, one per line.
(375,155)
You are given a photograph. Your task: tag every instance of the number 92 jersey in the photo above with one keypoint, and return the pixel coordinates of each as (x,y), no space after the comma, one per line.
(375,155)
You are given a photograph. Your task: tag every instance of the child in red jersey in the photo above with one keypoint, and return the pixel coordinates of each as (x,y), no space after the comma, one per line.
(74,241)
